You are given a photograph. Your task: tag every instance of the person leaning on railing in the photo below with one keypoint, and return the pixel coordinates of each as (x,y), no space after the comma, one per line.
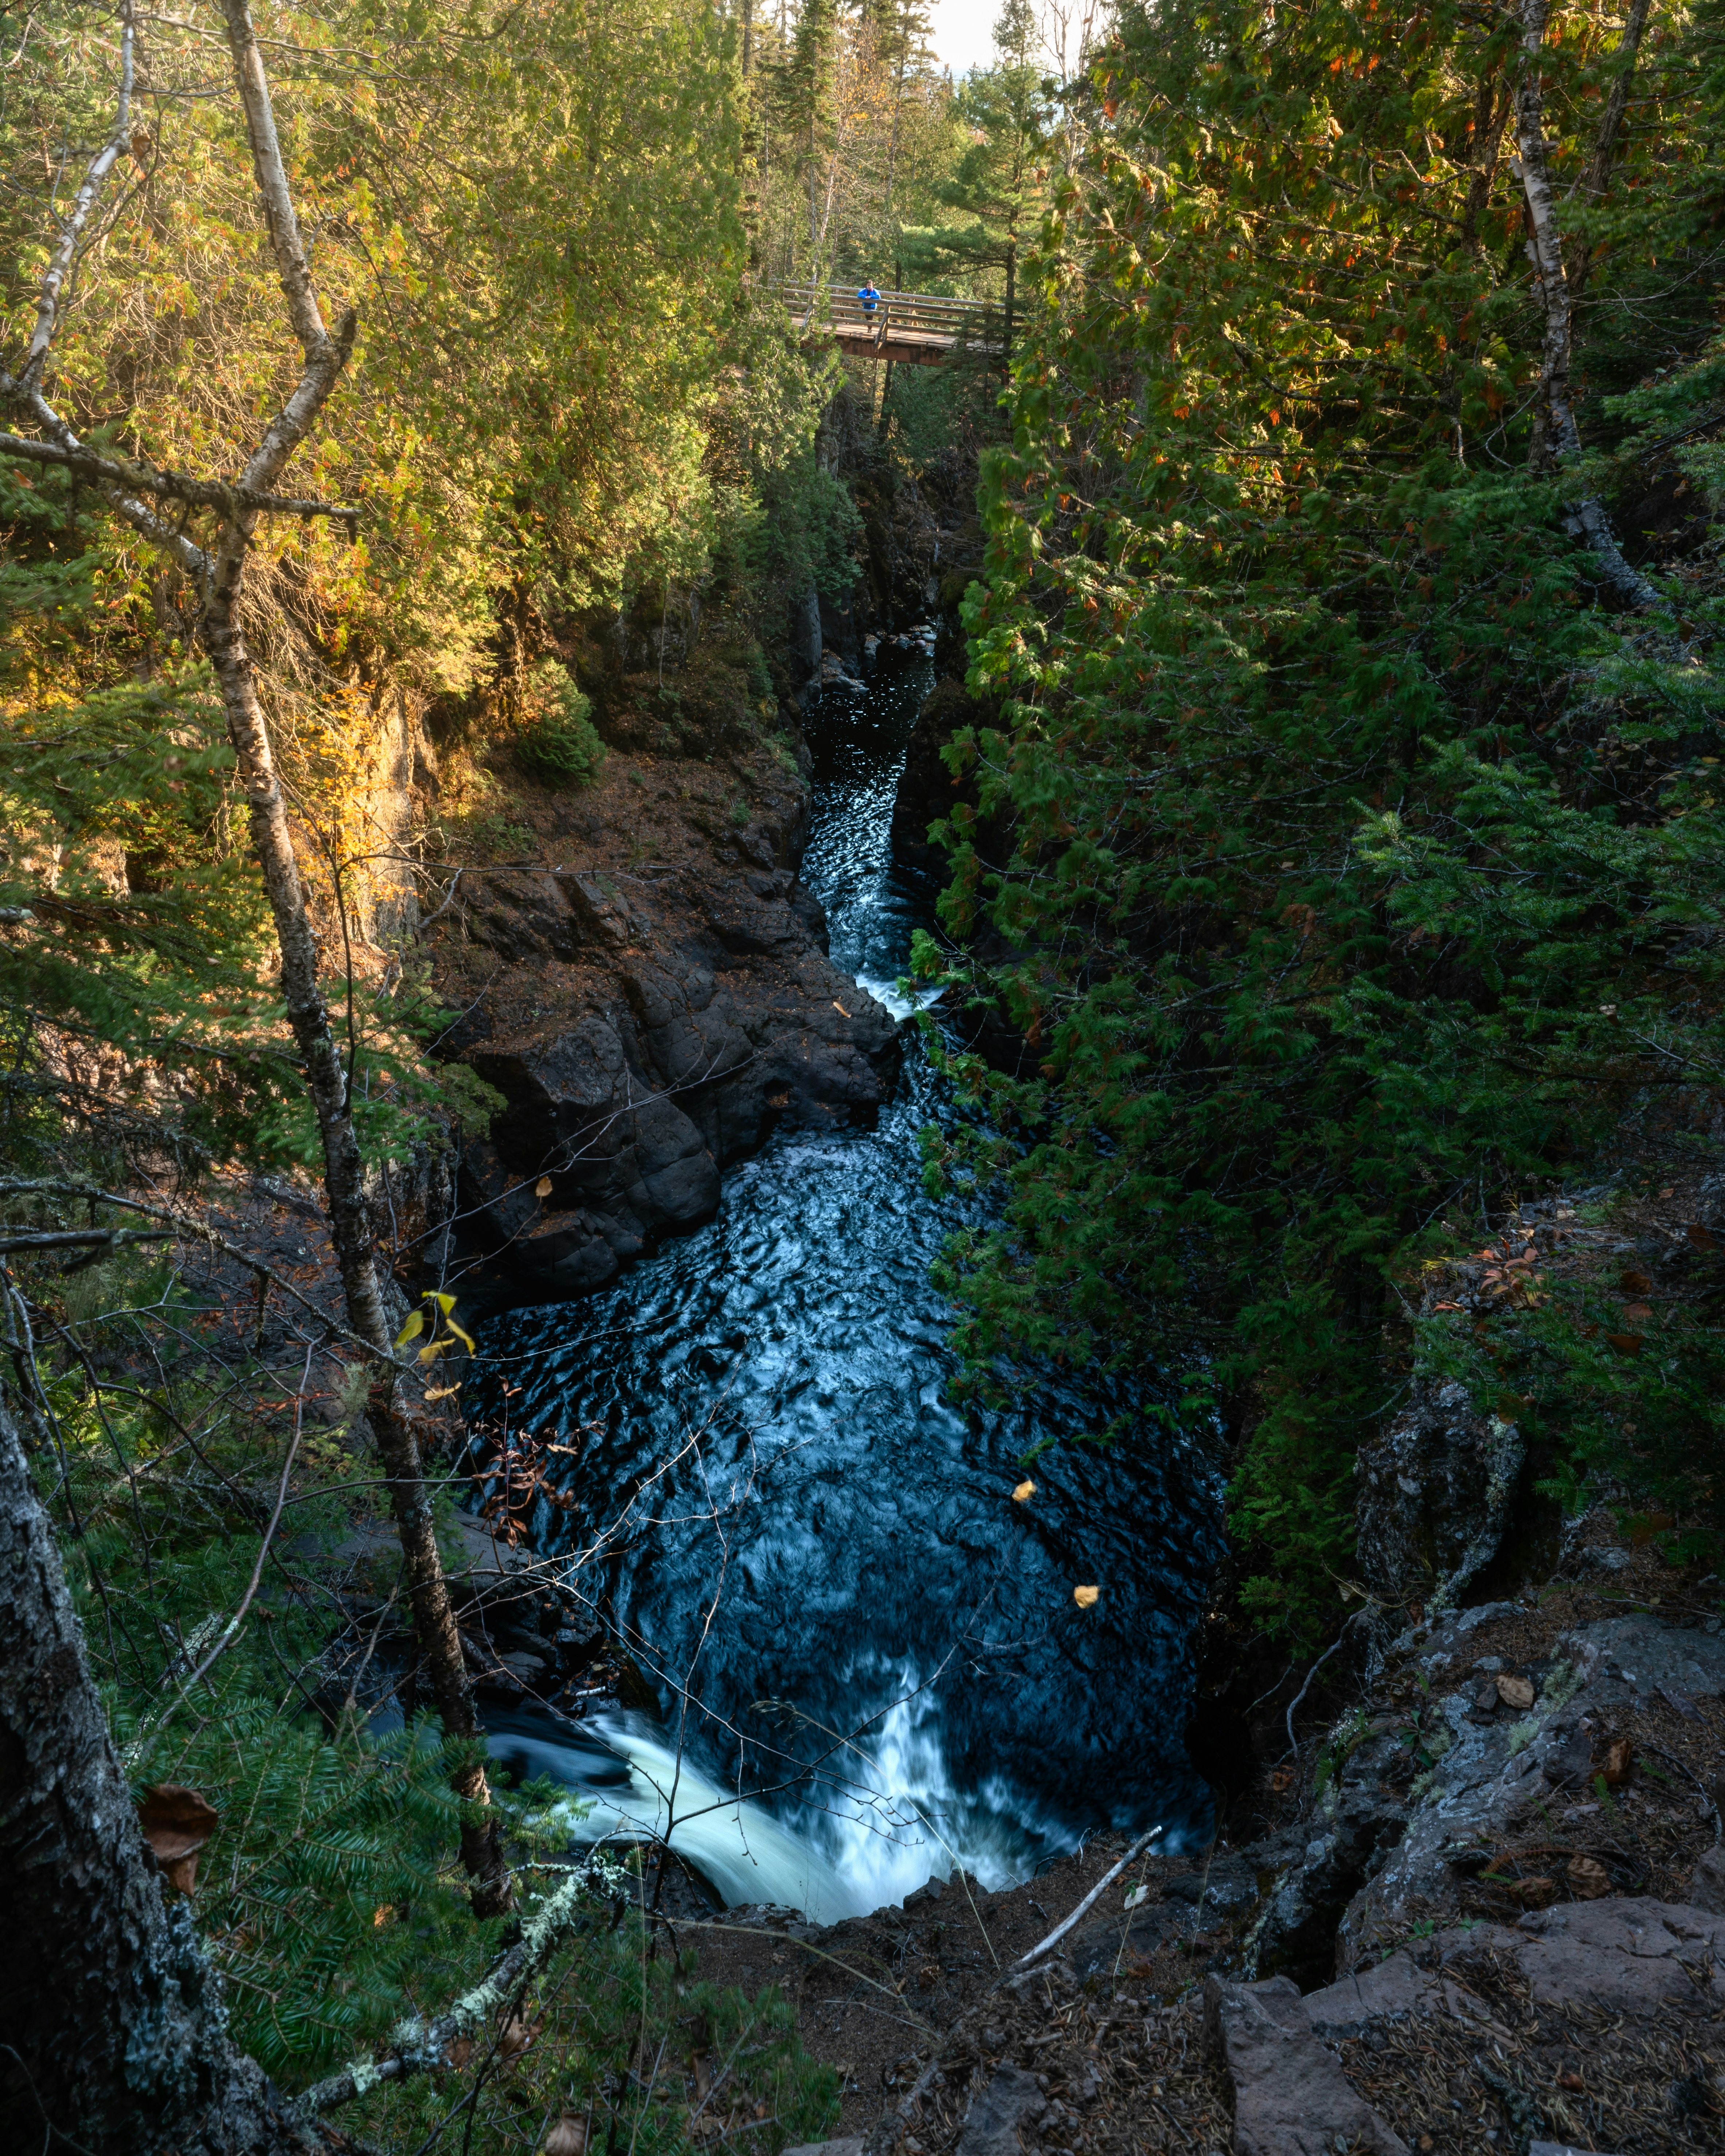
(870,298)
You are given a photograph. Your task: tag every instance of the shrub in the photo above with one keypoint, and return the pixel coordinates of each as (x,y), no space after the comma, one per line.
(559,745)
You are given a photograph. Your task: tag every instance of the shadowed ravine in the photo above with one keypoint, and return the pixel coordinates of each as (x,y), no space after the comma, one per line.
(827,1559)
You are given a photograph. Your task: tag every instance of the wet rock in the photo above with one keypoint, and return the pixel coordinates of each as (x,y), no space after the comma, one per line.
(1290,2097)
(804,641)
(580,1111)
(705,1012)
(1002,2121)
(1435,1494)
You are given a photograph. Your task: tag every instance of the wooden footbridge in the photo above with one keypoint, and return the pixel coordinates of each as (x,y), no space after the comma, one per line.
(917,329)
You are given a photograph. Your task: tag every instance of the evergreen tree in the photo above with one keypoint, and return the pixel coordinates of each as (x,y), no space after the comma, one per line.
(1363,857)
(998,190)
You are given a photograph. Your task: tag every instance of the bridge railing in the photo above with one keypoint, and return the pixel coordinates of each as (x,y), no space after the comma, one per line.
(904,314)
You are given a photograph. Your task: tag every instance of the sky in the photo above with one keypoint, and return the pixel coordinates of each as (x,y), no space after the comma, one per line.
(963,29)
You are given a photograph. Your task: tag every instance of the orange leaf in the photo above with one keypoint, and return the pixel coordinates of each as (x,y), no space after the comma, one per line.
(1085,1597)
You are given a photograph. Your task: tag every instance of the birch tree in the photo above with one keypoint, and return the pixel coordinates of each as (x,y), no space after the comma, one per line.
(217,567)
(1557,439)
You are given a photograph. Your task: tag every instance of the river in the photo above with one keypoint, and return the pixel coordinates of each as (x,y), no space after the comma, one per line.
(869,1662)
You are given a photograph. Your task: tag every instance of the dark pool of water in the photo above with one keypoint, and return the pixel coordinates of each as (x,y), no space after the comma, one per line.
(813,1551)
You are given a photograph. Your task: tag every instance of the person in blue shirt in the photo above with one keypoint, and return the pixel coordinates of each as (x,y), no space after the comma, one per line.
(870,297)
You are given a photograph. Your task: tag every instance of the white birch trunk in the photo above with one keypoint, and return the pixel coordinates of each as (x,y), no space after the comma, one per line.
(1556,438)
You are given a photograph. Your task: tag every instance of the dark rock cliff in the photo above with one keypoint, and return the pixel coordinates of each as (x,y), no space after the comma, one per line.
(651,998)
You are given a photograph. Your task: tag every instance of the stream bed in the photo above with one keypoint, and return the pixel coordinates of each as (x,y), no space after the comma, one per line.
(870,1664)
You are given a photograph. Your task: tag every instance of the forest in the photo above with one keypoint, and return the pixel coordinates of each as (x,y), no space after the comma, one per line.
(418,428)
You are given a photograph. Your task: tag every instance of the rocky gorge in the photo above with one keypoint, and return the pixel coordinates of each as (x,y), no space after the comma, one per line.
(1462,1890)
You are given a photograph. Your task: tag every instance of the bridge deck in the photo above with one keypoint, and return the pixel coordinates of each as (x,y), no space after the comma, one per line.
(917,329)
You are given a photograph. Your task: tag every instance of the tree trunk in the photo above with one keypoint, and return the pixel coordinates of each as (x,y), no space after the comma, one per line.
(330,1085)
(112,2035)
(439,1640)
(1596,174)
(1556,437)
(1491,118)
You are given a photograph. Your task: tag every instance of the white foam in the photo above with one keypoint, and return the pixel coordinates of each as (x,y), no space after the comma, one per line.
(747,1854)
(880,1819)
(887,992)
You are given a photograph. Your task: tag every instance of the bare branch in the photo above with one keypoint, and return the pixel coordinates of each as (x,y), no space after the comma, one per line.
(1085,1907)
(86,1239)
(59,267)
(190,556)
(177,486)
(188,1229)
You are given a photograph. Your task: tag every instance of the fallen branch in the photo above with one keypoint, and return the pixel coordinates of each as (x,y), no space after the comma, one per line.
(84,1239)
(1085,1907)
(421,2046)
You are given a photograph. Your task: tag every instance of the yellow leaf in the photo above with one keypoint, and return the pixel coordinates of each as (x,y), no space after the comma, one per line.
(465,1338)
(541,1188)
(445,1303)
(432,1349)
(1085,1597)
(411,1330)
(1024,1492)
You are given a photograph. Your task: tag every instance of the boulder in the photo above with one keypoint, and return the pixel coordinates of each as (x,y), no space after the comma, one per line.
(1645,1656)
(1003,2119)
(1290,2097)
(1707,1890)
(1434,1493)
(688,1022)
(1625,1956)
(1381,1853)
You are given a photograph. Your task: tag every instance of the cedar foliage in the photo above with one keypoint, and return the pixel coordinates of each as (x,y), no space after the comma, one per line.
(1357,866)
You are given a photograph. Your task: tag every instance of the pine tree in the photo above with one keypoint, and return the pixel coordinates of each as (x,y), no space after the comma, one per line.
(997,189)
